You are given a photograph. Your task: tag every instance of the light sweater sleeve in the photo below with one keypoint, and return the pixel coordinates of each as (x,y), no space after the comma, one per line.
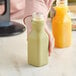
(17,8)
(49,3)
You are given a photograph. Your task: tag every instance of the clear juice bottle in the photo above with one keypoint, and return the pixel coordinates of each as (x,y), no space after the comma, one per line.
(38,42)
(62,25)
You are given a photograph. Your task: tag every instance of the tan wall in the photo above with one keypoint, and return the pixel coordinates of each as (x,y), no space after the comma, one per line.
(72,0)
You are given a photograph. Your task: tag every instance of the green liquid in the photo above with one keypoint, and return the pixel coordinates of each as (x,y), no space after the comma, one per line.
(38,45)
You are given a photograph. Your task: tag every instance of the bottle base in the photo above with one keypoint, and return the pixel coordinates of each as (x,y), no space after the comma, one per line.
(62,46)
(41,65)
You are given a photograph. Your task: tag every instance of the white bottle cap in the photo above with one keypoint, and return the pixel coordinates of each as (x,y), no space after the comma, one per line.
(38,16)
(62,2)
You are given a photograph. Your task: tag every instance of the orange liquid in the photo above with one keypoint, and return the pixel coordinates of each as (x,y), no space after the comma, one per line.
(62,27)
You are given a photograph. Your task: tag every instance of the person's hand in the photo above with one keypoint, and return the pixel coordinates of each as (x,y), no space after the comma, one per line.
(51,40)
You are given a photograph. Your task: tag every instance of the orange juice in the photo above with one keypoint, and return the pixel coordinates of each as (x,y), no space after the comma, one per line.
(62,25)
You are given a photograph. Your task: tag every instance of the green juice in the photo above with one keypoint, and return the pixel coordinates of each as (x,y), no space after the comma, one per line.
(38,43)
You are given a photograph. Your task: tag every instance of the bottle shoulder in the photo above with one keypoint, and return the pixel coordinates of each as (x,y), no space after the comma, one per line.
(60,12)
(62,18)
(37,35)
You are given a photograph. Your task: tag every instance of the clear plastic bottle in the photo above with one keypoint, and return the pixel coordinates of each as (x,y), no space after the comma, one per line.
(62,25)
(38,42)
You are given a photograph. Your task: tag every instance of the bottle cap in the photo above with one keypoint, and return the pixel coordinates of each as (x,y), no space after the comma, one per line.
(37,16)
(62,2)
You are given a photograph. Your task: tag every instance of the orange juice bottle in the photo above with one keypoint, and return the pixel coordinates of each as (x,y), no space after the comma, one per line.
(62,25)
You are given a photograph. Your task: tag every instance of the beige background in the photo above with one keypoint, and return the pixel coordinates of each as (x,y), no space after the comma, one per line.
(73,8)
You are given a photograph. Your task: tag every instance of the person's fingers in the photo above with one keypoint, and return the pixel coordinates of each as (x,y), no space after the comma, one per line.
(51,2)
(51,40)
(52,44)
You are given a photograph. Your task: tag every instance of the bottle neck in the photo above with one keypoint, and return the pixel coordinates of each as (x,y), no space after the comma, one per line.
(38,26)
(37,22)
(62,6)
(62,3)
